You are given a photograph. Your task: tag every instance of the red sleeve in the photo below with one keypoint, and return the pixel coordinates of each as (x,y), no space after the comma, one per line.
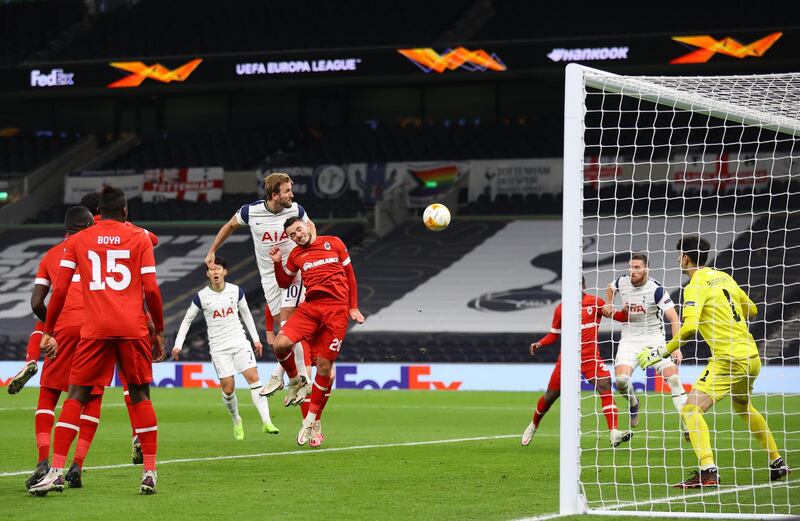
(152,293)
(555,328)
(284,279)
(620,316)
(60,288)
(152,236)
(350,272)
(42,276)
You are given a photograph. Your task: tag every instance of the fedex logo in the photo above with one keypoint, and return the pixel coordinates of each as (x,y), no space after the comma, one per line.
(653,383)
(185,375)
(54,78)
(222,313)
(411,377)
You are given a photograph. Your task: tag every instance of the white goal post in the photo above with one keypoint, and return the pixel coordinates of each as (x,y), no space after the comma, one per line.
(715,156)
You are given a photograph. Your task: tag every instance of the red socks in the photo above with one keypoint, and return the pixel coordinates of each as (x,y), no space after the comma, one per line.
(66,429)
(44,419)
(147,430)
(90,421)
(33,352)
(288,363)
(609,409)
(321,387)
(129,404)
(541,408)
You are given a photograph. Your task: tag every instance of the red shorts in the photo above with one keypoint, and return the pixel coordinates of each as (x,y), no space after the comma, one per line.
(591,367)
(322,323)
(94,360)
(56,371)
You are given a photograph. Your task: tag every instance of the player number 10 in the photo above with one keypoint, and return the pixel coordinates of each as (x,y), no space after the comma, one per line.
(112,256)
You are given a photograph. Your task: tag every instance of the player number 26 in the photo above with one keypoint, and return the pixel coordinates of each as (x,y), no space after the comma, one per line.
(336,345)
(112,256)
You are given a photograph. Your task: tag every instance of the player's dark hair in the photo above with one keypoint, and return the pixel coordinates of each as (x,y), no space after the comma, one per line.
(640,256)
(694,247)
(91,201)
(290,221)
(112,202)
(78,218)
(220,261)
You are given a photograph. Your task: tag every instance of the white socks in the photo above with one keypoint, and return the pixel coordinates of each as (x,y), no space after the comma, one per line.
(232,404)
(677,391)
(625,389)
(260,402)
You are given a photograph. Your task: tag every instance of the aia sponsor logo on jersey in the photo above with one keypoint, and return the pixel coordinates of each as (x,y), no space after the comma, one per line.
(637,309)
(275,237)
(223,313)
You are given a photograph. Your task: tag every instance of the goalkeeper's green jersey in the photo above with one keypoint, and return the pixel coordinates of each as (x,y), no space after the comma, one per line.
(720,308)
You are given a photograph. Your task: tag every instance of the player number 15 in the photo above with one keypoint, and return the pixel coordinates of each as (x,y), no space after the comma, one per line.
(112,256)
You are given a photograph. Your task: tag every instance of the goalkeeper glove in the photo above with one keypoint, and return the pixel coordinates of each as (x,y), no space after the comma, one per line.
(651,356)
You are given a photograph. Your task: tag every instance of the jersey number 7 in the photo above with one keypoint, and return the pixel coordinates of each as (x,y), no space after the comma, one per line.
(112,256)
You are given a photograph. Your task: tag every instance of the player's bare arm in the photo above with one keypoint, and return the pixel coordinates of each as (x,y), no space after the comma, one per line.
(356,316)
(275,254)
(38,306)
(608,309)
(49,346)
(258,348)
(226,231)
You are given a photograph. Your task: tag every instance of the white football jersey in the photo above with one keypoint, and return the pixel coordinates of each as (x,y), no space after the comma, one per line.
(267,230)
(646,306)
(222,311)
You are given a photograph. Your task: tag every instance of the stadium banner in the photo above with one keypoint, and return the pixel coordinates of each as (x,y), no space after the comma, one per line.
(438,377)
(727,173)
(430,181)
(183,184)
(515,176)
(374,181)
(78,184)
(326,181)
(675,52)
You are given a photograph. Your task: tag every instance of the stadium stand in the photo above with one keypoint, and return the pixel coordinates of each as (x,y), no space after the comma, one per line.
(23,152)
(26,27)
(516,19)
(155,28)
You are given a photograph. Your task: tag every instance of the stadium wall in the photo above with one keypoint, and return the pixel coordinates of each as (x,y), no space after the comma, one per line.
(436,377)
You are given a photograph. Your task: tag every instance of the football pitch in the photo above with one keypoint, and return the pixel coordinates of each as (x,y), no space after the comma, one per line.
(411,455)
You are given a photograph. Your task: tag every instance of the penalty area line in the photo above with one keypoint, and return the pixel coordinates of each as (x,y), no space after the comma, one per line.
(302,452)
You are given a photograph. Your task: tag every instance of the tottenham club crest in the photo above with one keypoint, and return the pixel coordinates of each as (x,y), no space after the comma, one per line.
(327,245)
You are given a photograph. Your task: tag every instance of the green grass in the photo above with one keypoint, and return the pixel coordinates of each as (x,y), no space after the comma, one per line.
(388,455)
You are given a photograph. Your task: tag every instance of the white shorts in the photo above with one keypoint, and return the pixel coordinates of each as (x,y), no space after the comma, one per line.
(290,297)
(229,362)
(629,348)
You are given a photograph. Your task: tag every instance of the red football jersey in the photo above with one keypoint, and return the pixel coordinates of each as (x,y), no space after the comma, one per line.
(322,264)
(590,321)
(72,313)
(150,235)
(111,258)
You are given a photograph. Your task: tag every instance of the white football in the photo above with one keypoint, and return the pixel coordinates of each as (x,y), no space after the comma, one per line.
(436,217)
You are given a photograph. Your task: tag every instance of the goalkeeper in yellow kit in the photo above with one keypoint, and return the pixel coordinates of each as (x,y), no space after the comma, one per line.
(715,305)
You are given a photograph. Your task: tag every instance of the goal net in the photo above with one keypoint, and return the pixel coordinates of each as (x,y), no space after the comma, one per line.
(648,160)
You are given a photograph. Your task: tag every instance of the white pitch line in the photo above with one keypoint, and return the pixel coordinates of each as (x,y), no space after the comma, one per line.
(291,453)
(743,488)
(540,518)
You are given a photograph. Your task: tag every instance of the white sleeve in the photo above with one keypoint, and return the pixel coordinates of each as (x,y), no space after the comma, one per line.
(187,321)
(247,318)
